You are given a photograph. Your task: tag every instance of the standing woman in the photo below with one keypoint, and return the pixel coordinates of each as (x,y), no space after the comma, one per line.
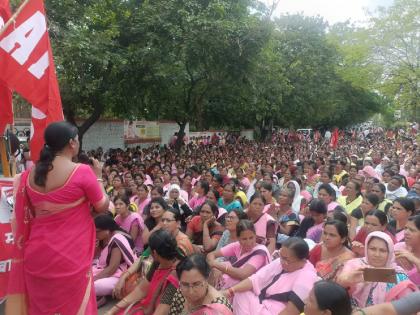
(130,221)
(401,210)
(56,193)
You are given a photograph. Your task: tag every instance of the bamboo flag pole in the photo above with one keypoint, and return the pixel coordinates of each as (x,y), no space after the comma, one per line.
(13,17)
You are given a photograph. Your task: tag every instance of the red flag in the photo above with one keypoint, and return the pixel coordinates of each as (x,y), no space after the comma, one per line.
(28,68)
(6,108)
(334,139)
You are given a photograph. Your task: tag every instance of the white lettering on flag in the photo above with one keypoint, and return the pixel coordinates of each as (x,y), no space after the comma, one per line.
(38,68)
(23,40)
(5,265)
(8,238)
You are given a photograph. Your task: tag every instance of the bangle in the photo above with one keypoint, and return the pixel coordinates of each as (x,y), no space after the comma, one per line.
(100,179)
(226,268)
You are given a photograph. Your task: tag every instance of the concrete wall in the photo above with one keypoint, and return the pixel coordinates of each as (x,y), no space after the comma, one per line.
(109,133)
(248,134)
(167,130)
(104,133)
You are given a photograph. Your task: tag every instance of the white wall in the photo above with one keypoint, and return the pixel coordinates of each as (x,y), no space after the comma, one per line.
(167,130)
(248,134)
(104,133)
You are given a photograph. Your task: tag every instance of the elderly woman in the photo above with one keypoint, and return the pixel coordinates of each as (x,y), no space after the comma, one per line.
(278,288)
(175,200)
(379,253)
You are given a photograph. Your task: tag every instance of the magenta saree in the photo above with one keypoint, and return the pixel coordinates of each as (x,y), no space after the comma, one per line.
(54,245)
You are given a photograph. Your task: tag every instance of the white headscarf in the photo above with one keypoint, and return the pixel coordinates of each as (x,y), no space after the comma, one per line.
(297,198)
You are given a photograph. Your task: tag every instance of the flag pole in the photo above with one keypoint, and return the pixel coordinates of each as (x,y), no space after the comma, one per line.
(13,17)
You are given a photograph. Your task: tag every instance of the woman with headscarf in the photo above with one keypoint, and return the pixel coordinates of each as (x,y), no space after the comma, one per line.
(297,198)
(379,253)
(175,200)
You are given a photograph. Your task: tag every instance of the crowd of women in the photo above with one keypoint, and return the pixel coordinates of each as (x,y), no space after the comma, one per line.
(287,227)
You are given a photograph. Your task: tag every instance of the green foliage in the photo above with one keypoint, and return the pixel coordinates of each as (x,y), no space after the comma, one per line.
(210,63)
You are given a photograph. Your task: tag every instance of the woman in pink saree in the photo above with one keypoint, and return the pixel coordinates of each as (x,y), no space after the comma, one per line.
(243,258)
(278,288)
(54,232)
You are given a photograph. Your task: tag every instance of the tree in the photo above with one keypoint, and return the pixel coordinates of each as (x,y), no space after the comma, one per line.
(395,45)
(196,50)
(89,44)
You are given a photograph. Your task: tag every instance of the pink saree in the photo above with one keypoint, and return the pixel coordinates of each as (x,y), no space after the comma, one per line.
(54,245)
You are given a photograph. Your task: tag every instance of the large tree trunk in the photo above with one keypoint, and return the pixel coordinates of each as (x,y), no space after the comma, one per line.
(180,139)
(96,114)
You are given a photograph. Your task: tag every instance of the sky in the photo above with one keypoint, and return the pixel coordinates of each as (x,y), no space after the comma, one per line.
(332,10)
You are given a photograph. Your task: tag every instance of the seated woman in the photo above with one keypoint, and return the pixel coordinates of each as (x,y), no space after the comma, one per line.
(265,225)
(329,256)
(328,297)
(353,198)
(153,221)
(375,220)
(296,198)
(154,294)
(243,258)
(270,203)
(229,234)
(408,252)
(327,194)
(379,253)
(312,226)
(287,218)
(175,200)
(204,230)
(228,201)
(142,199)
(115,257)
(278,288)
(131,222)
(170,223)
(193,273)
(357,216)
(401,210)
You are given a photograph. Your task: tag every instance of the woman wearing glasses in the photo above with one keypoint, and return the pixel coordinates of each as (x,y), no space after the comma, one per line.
(195,295)
(278,288)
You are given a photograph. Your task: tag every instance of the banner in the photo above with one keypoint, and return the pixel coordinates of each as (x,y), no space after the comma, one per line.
(141,132)
(6,108)
(27,67)
(6,238)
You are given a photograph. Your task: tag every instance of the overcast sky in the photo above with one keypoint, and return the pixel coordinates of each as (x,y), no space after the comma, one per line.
(332,10)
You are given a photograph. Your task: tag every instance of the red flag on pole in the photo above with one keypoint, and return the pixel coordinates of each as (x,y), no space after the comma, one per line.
(6,108)
(334,139)
(28,68)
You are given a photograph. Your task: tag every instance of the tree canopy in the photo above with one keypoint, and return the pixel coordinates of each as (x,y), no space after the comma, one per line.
(228,63)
